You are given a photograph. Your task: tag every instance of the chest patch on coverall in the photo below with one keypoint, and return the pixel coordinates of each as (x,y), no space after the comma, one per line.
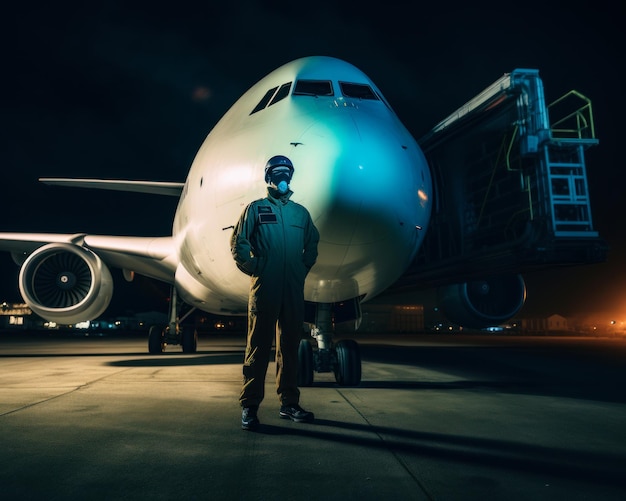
(266,215)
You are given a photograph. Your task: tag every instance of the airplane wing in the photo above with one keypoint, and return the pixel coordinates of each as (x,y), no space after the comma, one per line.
(152,187)
(150,256)
(66,276)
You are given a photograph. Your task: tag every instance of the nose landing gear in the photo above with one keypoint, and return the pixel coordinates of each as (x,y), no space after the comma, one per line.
(343,358)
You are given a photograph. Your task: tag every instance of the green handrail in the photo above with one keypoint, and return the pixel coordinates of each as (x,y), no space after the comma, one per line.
(576,124)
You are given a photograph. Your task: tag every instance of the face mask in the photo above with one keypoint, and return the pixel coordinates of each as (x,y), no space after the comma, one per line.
(280,179)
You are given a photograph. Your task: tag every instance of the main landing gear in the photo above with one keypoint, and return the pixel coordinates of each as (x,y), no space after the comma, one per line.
(160,336)
(343,358)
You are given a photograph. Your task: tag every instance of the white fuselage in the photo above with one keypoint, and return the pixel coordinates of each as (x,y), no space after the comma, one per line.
(358,171)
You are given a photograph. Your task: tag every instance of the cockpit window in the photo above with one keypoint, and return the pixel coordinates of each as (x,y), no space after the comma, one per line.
(263,102)
(313,88)
(282,93)
(360,91)
(272,97)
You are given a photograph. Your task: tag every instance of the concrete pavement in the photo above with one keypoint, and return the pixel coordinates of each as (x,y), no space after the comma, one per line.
(435,417)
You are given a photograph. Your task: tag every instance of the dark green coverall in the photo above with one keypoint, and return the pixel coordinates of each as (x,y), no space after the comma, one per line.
(275,242)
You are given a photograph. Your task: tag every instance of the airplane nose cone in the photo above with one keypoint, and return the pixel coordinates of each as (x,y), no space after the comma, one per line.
(363,191)
(364,175)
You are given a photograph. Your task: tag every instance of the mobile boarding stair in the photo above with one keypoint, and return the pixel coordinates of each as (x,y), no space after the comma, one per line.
(510,185)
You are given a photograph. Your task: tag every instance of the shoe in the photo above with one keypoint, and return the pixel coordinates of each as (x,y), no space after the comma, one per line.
(295,413)
(249,419)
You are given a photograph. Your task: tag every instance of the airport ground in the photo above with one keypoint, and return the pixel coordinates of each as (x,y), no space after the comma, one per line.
(437,417)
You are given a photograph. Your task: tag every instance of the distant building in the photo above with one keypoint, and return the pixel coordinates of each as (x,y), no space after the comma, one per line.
(15,316)
(545,324)
(389,318)
(18,316)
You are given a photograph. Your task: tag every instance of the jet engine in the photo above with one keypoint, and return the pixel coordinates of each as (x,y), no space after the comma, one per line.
(65,283)
(483,303)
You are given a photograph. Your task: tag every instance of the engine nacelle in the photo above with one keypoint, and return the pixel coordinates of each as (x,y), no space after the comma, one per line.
(66,283)
(483,303)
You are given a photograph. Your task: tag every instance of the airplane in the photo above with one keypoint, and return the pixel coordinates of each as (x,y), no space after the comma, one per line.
(358,170)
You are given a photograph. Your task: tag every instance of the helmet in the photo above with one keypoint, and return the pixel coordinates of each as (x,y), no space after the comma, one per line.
(277,161)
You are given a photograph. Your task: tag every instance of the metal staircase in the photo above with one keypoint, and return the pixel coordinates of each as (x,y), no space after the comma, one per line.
(564,160)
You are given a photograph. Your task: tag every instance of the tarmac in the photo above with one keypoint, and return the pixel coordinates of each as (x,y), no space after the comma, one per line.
(435,417)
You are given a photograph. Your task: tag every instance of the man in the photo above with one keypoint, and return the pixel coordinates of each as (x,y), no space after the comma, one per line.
(275,242)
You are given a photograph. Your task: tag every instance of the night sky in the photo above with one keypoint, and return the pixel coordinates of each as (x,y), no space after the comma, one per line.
(114,91)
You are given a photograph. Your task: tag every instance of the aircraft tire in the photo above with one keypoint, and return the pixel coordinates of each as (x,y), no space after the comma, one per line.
(305,363)
(155,340)
(348,368)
